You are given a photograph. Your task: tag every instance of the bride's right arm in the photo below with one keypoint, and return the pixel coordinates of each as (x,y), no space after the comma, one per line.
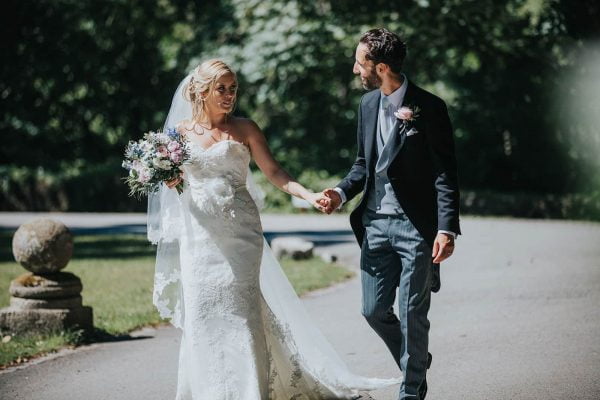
(273,170)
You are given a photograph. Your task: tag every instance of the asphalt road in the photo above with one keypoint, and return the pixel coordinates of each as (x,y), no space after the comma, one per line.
(517,317)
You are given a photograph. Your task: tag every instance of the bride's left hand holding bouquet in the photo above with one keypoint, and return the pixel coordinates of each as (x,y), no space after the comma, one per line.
(155,158)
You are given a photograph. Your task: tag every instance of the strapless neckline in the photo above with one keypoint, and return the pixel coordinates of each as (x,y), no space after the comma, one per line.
(218,143)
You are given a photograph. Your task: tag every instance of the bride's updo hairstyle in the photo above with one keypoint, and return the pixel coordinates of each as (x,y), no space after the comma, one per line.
(203,80)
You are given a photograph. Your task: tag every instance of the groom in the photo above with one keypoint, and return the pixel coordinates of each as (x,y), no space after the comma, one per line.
(407,219)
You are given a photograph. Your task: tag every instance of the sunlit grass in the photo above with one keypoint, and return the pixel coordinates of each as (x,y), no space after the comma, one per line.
(18,349)
(314,273)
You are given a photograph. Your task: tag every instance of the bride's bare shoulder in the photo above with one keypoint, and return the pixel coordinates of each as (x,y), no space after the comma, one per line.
(246,126)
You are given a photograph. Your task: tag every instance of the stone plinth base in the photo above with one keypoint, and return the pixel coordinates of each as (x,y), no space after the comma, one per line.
(39,320)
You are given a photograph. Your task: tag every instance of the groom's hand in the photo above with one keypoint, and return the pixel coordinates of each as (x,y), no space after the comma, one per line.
(318,200)
(443,247)
(334,200)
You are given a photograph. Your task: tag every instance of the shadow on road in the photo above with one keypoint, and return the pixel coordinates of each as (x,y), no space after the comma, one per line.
(102,336)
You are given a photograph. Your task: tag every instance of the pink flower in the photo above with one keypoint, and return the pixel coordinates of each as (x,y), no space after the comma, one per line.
(175,156)
(173,146)
(144,176)
(162,151)
(404,113)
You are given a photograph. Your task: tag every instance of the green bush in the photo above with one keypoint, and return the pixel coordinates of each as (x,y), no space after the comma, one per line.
(578,206)
(530,205)
(100,188)
(77,187)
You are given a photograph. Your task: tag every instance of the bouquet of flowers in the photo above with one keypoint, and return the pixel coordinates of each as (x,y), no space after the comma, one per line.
(157,157)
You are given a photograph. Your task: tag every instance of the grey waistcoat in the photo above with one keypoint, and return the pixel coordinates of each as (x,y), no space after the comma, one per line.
(382,199)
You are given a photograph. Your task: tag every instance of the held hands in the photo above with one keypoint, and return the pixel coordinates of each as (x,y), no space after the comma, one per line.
(443,247)
(318,201)
(334,200)
(327,201)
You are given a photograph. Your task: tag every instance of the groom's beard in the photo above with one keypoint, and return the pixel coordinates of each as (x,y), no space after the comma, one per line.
(371,82)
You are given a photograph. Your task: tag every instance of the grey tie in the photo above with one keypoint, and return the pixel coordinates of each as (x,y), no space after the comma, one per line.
(384,123)
(389,149)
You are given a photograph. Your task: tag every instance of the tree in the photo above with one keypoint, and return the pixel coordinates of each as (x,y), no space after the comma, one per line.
(86,77)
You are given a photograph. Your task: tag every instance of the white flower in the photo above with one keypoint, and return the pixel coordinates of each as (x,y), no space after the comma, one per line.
(161,164)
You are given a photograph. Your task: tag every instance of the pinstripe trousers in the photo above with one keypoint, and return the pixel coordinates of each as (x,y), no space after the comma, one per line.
(395,255)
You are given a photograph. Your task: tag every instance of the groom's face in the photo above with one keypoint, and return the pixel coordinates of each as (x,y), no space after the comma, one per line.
(365,69)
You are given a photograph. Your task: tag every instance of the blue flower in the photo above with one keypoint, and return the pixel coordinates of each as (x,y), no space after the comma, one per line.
(172,132)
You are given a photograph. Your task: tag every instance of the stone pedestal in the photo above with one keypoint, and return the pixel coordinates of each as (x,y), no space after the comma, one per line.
(26,321)
(45,298)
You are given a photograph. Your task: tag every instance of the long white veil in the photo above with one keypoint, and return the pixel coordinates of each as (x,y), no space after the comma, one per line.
(166,221)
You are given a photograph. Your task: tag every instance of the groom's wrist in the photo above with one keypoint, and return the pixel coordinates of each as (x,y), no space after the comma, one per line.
(342,195)
(448,233)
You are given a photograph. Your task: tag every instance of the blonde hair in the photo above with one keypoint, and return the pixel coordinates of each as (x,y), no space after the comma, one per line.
(204,78)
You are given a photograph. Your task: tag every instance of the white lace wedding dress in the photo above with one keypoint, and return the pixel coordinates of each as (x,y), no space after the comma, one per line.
(234,346)
(225,353)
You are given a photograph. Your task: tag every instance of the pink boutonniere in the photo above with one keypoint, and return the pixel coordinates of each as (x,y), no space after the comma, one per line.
(406,114)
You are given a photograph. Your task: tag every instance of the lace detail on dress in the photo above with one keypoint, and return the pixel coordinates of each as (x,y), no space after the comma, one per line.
(287,376)
(160,283)
(213,183)
(213,196)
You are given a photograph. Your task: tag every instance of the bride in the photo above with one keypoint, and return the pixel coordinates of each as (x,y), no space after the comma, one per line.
(245,334)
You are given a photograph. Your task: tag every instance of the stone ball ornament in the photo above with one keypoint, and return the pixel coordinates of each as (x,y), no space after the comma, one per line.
(43,246)
(45,299)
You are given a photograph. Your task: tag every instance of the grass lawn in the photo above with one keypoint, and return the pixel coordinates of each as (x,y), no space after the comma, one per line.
(117,272)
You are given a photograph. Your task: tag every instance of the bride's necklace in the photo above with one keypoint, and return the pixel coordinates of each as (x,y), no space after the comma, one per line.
(205,130)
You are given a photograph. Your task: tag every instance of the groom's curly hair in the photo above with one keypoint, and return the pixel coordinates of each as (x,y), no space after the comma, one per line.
(385,47)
